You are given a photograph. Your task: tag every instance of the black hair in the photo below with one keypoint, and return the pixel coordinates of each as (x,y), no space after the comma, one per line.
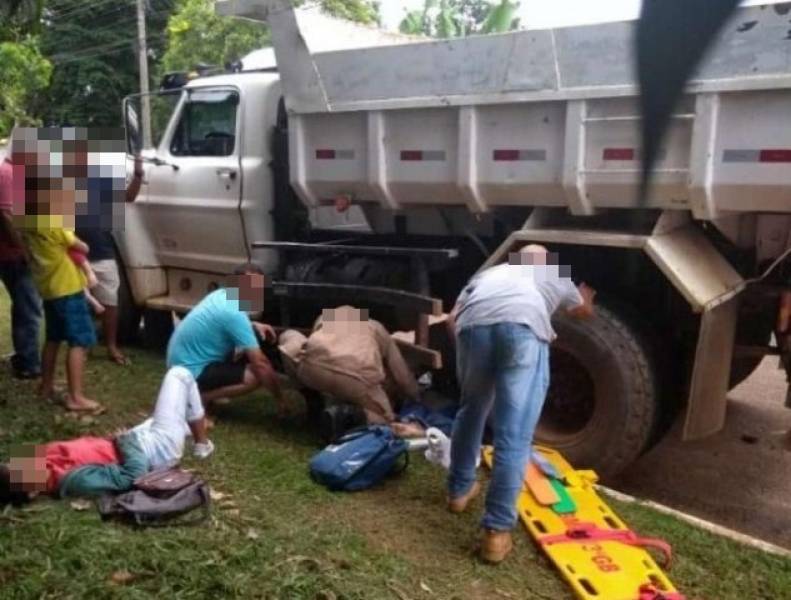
(7,494)
(249,268)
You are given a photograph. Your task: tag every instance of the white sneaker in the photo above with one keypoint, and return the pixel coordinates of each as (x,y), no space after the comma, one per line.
(203,451)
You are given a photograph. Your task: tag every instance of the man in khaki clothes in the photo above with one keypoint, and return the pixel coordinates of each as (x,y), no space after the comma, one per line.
(353,359)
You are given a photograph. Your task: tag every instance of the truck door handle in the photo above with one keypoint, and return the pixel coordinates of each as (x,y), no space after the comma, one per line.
(229,174)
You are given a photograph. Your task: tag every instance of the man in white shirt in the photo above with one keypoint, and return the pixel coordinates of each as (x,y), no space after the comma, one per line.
(502,324)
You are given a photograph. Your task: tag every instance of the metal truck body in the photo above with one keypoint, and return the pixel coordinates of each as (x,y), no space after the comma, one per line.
(485,143)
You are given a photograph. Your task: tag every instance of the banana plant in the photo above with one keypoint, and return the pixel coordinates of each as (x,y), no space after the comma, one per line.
(501,18)
(447,22)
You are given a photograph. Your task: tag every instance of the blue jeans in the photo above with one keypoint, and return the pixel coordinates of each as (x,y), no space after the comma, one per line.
(25,315)
(505,368)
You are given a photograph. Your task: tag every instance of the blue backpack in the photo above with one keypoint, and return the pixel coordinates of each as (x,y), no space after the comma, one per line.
(360,459)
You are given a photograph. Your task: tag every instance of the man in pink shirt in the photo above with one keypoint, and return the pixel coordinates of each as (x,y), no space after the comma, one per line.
(15,275)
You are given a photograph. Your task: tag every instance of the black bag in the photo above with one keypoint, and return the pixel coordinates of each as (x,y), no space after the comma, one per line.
(159,499)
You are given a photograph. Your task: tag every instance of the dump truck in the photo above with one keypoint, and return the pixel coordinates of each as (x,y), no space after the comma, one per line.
(409,166)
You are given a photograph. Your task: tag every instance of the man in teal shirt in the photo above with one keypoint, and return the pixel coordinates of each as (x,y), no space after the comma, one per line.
(216,341)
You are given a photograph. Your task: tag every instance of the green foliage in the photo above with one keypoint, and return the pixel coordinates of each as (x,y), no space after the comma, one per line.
(93,47)
(24,75)
(71,62)
(359,11)
(456,18)
(19,18)
(196,35)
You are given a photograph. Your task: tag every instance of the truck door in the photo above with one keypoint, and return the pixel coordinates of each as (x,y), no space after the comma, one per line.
(194,186)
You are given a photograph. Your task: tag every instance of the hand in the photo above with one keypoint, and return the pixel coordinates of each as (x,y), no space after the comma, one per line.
(138,171)
(266,331)
(588,293)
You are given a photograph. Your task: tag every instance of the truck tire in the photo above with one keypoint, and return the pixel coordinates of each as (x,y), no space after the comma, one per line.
(129,314)
(603,398)
(157,329)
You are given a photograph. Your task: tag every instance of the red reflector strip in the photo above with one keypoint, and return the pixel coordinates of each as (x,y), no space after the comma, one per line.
(619,154)
(505,155)
(419,155)
(411,155)
(770,155)
(519,155)
(327,154)
(775,156)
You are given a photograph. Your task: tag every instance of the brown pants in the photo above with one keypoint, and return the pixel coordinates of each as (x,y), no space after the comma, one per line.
(373,399)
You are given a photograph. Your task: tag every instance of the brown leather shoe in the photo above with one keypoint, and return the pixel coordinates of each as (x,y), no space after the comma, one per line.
(495,545)
(459,505)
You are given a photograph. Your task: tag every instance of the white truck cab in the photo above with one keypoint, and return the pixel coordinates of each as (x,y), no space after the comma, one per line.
(206,191)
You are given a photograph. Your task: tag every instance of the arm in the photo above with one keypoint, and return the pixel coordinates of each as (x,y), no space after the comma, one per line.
(80,246)
(137,180)
(395,365)
(450,323)
(266,332)
(266,375)
(585,310)
(8,230)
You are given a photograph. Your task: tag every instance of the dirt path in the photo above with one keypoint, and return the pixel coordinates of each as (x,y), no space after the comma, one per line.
(739,478)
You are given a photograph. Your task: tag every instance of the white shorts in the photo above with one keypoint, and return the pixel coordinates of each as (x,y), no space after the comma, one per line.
(106,290)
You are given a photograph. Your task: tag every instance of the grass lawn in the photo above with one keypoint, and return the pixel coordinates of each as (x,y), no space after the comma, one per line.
(277,535)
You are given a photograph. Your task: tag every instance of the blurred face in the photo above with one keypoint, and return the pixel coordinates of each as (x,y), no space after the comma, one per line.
(29,472)
(533,254)
(251,291)
(344,319)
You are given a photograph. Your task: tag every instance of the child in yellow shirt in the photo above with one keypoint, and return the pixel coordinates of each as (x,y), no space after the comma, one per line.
(60,284)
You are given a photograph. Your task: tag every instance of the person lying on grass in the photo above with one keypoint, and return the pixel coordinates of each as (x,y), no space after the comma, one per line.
(92,466)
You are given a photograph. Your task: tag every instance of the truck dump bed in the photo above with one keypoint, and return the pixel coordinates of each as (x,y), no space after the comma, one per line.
(534,118)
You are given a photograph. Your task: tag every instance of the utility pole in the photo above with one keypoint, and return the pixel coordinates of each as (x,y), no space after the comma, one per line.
(142,50)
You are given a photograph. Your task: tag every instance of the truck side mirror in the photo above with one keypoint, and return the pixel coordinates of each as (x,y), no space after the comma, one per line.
(134,133)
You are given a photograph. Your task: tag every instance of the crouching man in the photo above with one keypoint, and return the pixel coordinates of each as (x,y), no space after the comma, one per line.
(503,331)
(352,359)
(217,341)
(92,466)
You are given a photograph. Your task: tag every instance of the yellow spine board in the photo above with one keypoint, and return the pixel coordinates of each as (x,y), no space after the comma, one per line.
(596,570)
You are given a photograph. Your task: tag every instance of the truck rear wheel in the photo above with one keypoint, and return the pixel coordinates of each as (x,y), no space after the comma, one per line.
(603,396)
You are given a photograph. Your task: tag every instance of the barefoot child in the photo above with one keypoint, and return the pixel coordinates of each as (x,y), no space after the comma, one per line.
(60,284)
(50,204)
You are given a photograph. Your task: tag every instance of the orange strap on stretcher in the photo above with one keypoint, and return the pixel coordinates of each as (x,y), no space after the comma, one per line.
(579,532)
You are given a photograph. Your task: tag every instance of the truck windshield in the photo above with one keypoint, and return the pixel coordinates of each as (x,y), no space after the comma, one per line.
(207,126)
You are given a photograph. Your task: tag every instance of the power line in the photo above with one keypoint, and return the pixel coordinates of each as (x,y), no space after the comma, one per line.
(70,52)
(112,48)
(120,24)
(87,8)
